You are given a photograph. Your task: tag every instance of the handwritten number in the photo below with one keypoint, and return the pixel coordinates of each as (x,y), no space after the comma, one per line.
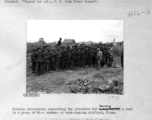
(139,12)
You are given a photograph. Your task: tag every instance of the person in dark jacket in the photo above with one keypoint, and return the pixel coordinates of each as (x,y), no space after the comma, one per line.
(33,61)
(78,56)
(65,59)
(122,60)
(69,59)
(52,59)
(73,58)
(94,57)
(55,61)
(82,58)
(106,56)
(58,57)
(103,61)
(39,60)
(43,64)
(87,57)
(91,57)
(46,61)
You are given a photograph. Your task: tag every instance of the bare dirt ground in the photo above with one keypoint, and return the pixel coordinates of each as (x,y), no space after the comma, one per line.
(85,80)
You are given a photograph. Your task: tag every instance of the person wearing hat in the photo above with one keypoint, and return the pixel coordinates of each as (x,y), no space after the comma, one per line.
(33,61)
(46,61)
(82,58)
(99,57)
(73,58)
(43,63)
(58,57)
(91,56)
(78,55)
(94,56)
(87,57)
(39,60)
(64,59)
(52,59)
(69,59)
(103,61)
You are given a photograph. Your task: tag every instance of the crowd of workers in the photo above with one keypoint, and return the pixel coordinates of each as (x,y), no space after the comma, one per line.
(60,58)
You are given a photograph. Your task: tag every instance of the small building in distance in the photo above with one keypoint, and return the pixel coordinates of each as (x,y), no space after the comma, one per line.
(40,43)
(87,42)
(68,42)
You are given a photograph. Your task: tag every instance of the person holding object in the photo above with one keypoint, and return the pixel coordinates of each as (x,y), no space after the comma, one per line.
(99,57)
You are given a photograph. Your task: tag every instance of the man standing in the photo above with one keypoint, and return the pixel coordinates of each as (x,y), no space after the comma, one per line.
(110,57)
(39,60)
(65,58)
(91,57)
(82,58)
(99,57)
(122,59)
(33,61)
(78,58)
(58,56)
(46,61)
(69,59)
(52,59)
(87,57)
(73,58)
(94,57)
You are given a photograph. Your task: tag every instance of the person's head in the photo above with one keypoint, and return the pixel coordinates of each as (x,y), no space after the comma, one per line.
(34,51)
(46,51)
(98,49)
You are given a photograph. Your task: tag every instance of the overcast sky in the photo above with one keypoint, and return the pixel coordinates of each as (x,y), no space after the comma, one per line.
(80,30)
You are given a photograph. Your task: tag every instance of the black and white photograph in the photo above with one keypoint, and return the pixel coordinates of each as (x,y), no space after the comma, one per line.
(75,56)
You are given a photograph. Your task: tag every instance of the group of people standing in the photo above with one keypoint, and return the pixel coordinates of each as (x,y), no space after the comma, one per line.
(60,58)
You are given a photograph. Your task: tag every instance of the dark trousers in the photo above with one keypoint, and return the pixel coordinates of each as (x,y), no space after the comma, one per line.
(57,64)
(94,61)
(69,64)
(103,61)
(46,67)
(77,62)
(43,67)
(91,61)
(52,65)
(87,61)
(39,68)
(110,60)
(82,64)
(65,64)
(72,63)
(61,63)
(122,62)
(33,67)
